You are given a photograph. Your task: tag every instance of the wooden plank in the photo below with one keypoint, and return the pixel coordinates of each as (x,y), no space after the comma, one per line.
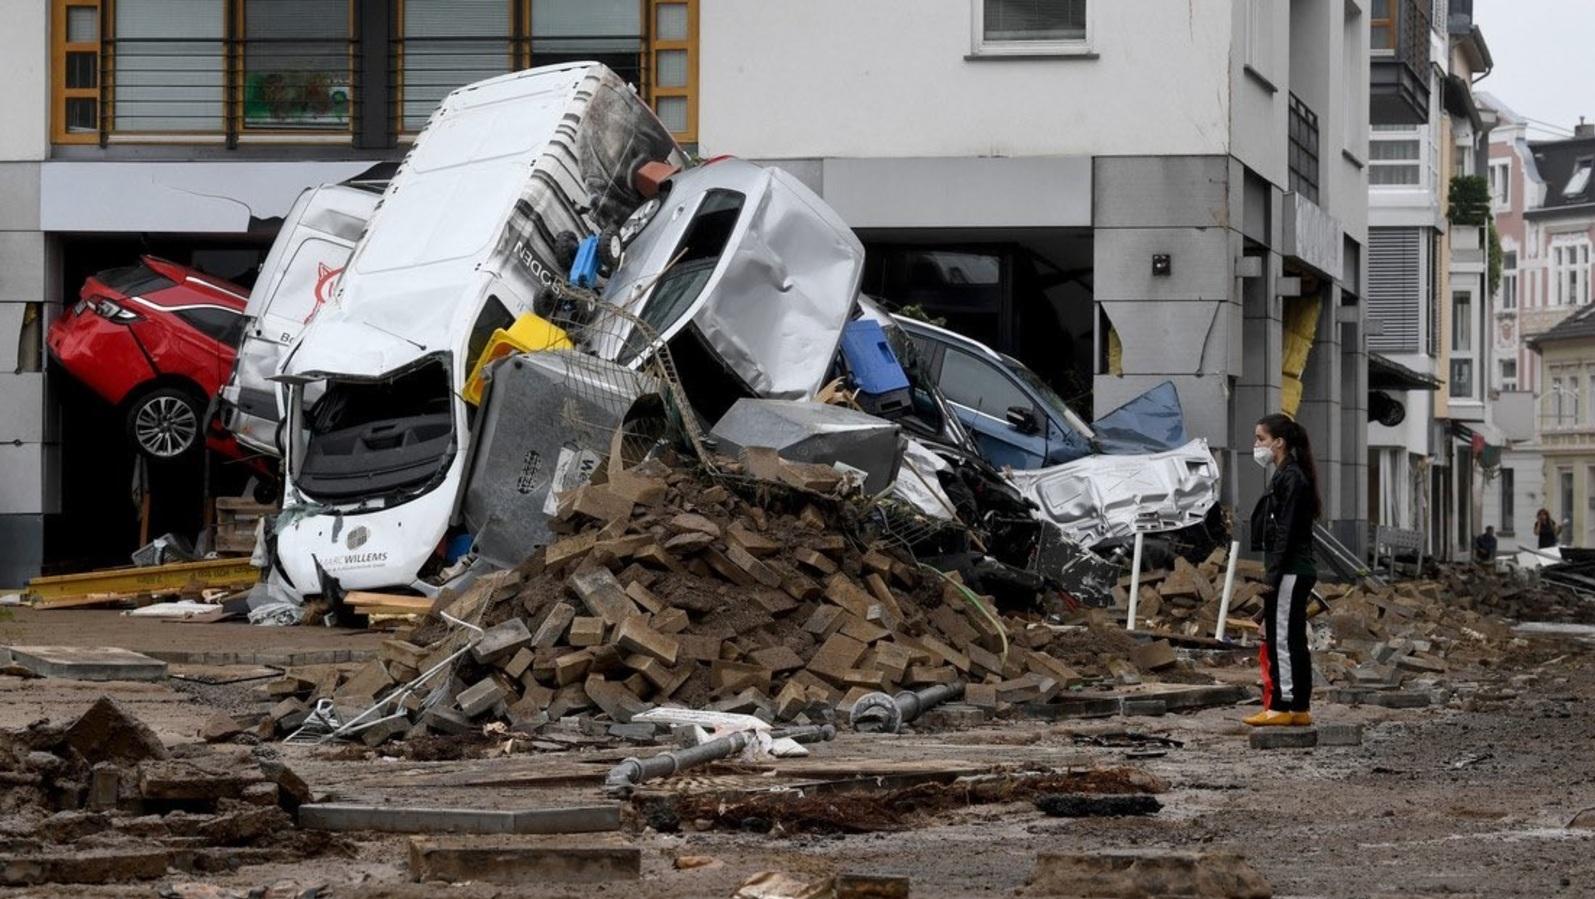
(93,600)
(391,603)
(158,579)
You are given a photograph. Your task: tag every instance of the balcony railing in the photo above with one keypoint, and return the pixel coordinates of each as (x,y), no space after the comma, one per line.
(1399,43)
(177,90)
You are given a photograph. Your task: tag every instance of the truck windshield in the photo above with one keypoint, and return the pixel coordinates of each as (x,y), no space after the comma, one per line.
(370,439)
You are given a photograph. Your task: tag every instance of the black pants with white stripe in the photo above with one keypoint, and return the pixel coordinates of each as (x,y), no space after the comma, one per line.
(1285,626)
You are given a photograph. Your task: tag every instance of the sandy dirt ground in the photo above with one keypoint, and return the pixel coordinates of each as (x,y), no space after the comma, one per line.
(1470,797)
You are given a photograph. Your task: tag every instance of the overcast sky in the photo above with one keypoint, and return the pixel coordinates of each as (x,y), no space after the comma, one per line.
(1544,67)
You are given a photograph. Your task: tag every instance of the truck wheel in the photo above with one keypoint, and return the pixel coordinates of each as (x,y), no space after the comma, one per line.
(166,424)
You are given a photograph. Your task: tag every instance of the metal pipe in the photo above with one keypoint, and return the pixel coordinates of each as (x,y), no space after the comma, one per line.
(633,771)
(1229,588)
(878,713)
(1135,581)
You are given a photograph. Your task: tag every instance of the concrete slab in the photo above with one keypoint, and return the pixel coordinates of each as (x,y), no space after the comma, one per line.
(404,819)
(97,663)
(508,860)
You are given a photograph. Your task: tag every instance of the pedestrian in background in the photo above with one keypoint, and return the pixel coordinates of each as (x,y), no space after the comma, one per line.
(1545,529)
(1485,545)
(1282,528)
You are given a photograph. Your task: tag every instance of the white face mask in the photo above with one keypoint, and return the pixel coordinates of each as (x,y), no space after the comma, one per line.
(1263,456)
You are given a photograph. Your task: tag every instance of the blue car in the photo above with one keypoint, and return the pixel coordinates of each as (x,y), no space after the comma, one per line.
(1015,418)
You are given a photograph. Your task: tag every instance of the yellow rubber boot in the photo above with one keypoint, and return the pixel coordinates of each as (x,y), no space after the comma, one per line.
(1270,718)
(1301,719)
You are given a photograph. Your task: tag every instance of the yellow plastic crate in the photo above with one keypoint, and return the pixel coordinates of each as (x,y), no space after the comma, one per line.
(531,333)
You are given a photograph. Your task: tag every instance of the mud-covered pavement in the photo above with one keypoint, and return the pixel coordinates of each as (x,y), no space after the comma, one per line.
(1468,797)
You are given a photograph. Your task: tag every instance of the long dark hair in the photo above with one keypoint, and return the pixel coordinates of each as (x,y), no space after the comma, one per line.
(1298,447)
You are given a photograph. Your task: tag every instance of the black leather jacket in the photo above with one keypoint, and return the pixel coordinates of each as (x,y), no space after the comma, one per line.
(1282,523)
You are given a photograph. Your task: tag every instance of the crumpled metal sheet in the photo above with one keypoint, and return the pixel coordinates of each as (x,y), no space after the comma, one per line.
(918,484)
(805,431)
(1151,423)
(1102,497)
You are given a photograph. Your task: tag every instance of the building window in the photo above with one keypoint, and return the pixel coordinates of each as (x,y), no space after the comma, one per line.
(1508,280)
(1508,500)
(297,65)
(448,43)
(1395,156)
(1579,181)
(1570,271)
(1508,374)
(1501,185)
(1565,483)
(170,66)
(1462,379)
(673,65)
(1303,149)
(1461,322)
(1031,26)
(75,60)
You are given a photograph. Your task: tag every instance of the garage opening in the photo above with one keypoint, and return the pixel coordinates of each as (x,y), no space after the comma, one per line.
(109,503)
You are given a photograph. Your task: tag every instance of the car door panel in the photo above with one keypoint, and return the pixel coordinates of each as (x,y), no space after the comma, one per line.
(981,393)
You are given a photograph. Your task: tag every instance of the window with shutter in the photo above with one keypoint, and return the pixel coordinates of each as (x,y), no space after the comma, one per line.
(1031,26)
(1395,288)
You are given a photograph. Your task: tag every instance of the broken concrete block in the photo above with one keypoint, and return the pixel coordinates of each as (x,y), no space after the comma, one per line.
(501,641)
(731,677)
(645,598)
(507,861)
(572,667)
(446,721)
(481,696)
(105,784)
(602,595)
(1397,699)
(404,652)
(1145,707)
(835,657)
(841,590)
(586,631)
(616,701)
(383,731)
(1339,734)
(670,621)
(366,684)
(1283,738)
(1153,656)
(870,886)
(219,728)
(636,636)
(779,659)
(106,732)
(520,662)
(553,626)
(1135,873)
(982,696)
(595,501)
(814,560)
(569,550)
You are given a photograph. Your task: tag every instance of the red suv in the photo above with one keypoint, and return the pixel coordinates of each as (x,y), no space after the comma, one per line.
(156,340)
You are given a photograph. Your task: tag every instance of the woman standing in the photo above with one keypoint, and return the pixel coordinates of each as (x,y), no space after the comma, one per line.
(1545,529)
(1282,528)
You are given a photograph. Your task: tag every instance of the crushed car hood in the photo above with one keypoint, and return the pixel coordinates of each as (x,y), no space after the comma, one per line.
(1104,497)
(783,287)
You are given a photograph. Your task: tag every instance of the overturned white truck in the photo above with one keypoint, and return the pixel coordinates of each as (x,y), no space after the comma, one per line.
(466,238)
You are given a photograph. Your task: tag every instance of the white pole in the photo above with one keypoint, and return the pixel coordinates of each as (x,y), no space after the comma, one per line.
(1229,589)
(1135,581)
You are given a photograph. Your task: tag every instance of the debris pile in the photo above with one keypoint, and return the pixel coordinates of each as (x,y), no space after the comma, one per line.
(668,587)
(102,800)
